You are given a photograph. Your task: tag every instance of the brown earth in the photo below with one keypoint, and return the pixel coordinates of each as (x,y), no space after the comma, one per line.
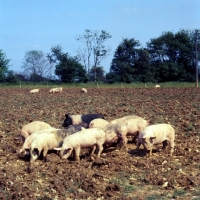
(119,174)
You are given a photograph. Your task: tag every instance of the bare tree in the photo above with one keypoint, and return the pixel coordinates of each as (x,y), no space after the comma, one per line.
(94,45)
(36,63)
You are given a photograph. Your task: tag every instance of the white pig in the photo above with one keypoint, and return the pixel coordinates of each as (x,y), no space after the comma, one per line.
(83,90)
(98,123)
(28,141)
(34,91)
(57,134)
(56,90)
(45,140)
(129,127)
(32,127)
(122,119)
(87,138)
(156,134)
(157,86)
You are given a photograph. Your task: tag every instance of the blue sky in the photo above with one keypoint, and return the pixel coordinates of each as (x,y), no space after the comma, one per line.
(41,24)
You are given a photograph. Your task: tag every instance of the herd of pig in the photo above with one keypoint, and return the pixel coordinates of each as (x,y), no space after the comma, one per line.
(91,131)
(55,90)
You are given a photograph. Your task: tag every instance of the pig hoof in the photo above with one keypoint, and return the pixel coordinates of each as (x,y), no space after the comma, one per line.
(29,170)
(45,160)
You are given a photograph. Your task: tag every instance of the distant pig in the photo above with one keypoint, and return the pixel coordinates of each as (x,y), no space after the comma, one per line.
(32,127)
(129,127)
(156,134)
(94,137)
(56,90)
(83,120)
(34,91)
(98,123)
(83,90)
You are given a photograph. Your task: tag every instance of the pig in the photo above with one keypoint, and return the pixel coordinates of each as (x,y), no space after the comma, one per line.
(94,137)
(45,140)
(32,127)
(60,132)
(115,121)
(83,90)
(28,141)
(157,86)
(56,90)
(156,134)
(34,91)
(83,120)
(98,123)
(129,127)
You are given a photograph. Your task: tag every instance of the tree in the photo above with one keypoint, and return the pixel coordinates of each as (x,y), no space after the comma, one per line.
(99,73)
(4,65)
(94,46)
(125,58)
(36,64)
(11,77)
(172,56)
(68,69)
(143,70)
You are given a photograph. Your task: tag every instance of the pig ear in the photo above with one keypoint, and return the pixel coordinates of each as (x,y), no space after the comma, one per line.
(58,149)
(66,115)
(152,136)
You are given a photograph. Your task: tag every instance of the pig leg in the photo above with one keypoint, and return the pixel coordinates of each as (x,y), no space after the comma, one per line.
(138,145)
(150,149)
(34,155)
(164,144)
(93,149)
(172,148)
(124,140)
(45,150)
(135,137)
(100,147)
(77,154)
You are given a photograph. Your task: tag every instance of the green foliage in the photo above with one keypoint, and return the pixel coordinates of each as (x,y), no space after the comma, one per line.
(67,68)
(167,58)
(99,73)
(172,57)
(4,65)
(124,60)
(10,77)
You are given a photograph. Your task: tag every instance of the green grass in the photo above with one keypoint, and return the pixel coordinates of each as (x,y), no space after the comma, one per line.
(96,85)
(180,192)
(122,180)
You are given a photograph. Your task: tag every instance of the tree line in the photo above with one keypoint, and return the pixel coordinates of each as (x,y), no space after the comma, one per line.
(170,57)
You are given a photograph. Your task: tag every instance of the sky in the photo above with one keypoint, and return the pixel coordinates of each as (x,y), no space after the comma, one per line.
(27,25)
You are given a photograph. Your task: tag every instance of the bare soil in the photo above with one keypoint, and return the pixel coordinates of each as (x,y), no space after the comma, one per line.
(119,174)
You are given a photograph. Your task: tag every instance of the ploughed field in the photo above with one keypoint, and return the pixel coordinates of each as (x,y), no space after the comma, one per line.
(119,174)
